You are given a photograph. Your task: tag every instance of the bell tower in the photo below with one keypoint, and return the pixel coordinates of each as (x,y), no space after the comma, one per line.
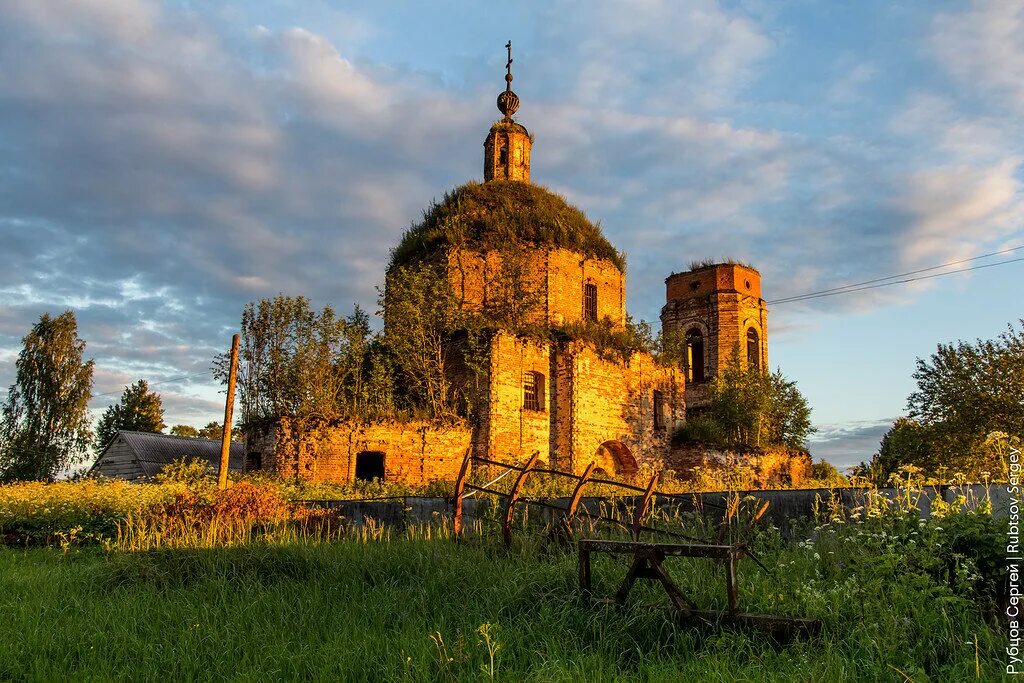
(717,310)
(507,147)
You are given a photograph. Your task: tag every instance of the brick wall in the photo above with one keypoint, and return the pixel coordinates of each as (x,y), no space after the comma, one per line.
(589,400)
(414,452)
(613,401)
(723,302)
(555,279)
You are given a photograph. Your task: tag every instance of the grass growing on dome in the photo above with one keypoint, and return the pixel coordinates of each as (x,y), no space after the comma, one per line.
(699,264)
(499,214)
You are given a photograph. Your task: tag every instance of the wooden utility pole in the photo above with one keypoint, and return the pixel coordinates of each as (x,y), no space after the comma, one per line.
(229,409)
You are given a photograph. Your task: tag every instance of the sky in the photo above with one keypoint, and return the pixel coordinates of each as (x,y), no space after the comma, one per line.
(162,164)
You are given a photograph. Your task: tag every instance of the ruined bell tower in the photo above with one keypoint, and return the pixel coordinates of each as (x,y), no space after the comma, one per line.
(507,147)
(717,311)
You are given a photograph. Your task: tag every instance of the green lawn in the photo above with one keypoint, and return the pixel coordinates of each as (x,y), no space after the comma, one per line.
(414,609)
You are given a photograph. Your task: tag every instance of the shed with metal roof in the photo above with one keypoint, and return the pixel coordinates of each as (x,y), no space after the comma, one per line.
(141,455)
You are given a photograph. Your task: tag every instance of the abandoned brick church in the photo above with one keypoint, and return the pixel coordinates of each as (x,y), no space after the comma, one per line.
(564,399)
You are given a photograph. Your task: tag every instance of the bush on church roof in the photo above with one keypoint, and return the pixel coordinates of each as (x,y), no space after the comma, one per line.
(503,213)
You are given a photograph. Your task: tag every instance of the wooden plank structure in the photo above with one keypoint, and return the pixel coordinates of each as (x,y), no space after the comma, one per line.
(648,558)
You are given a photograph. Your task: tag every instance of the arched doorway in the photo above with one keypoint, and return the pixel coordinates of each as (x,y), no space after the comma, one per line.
(614,457)
(369,465)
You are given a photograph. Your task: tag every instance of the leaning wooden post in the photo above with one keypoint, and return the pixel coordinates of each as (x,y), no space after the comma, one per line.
(229,409)
(460,486)
(731,584)
(513,495)
(641,509)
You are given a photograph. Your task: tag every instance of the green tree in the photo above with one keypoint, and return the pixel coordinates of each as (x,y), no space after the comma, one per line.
(908,442)
(139,410)
(965,392)
(749,407)
(289,361)
(184,430)
(420,316)
(215,431)
(45,424)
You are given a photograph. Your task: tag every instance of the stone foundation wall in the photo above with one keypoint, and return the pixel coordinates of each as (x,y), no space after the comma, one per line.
(760,468)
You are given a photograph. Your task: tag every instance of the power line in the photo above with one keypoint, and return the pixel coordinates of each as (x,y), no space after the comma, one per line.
(163,381)
(858,286)
(827,293)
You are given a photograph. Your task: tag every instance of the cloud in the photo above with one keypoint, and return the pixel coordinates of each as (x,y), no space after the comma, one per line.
(981,48)
(162,167)
(158,180)
(850,443)
(673,57)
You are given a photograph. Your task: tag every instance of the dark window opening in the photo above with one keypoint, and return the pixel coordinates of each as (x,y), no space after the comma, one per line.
(694,356)
(753,349)
(659,410)
(369,465)
(533,391)
(590,301)
(503,156)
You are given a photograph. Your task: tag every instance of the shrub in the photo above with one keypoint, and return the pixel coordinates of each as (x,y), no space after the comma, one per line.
(826,474)
(702,429)
(193,474)
(259,504)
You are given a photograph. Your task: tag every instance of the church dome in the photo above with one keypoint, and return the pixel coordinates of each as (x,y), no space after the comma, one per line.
(503,213)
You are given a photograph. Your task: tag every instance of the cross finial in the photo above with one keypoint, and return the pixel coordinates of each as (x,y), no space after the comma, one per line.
(508,103)
(508,66)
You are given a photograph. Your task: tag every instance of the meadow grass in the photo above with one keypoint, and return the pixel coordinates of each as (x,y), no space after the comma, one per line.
(380,605)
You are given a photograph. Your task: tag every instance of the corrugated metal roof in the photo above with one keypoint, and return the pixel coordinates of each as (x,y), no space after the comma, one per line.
(154,451)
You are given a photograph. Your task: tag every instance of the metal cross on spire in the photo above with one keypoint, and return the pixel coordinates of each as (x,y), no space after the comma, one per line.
(508,66)
(508,103)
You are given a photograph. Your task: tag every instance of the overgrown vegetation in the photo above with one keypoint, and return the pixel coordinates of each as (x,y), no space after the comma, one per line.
(750,408)
(698,264)
(499,214)
(899,597)
(967,395)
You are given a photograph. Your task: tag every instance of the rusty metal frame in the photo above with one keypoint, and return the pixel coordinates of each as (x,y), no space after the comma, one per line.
(460,486)
(577,494)
(513,495)
(571,510)
(641,509)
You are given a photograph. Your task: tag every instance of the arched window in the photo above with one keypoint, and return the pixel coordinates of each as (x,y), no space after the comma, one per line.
(694,355)
(533,391)
(753,349)
(590,301)
(369,465)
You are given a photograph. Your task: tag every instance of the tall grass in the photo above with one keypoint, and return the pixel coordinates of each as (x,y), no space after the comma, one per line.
(380,604)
